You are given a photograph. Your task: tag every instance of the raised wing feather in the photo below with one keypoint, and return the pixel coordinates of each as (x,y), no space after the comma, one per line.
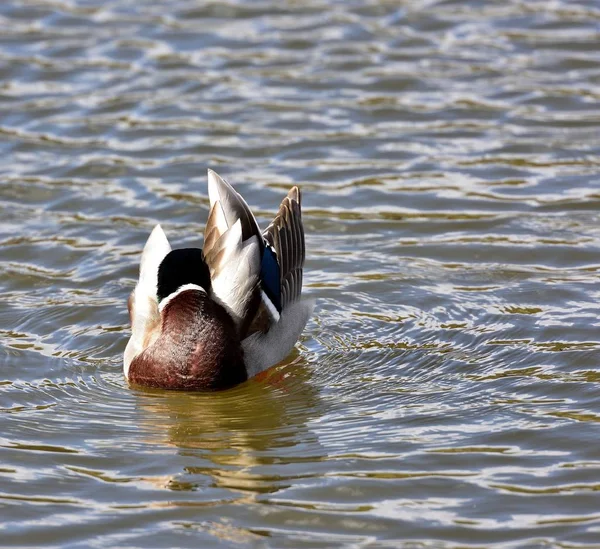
(233,206)
(232,251)
(257,277)
(143,303)
(286,235)
(216,225)
(236,275)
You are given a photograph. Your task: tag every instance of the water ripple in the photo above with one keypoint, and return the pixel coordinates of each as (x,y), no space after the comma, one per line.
(444,393)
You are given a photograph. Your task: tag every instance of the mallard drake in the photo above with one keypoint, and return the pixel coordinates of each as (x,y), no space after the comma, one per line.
(214,317)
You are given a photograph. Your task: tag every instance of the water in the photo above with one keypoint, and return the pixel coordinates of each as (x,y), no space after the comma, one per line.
(445,394)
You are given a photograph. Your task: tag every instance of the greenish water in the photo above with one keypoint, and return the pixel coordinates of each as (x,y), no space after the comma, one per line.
(446,392)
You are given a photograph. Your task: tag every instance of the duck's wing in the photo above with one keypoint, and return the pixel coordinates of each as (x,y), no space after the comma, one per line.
(285,236)
(232,251)
(282,261)
(143,303)
(281,278)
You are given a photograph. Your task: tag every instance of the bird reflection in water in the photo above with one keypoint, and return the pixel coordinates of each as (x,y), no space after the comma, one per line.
(230,436)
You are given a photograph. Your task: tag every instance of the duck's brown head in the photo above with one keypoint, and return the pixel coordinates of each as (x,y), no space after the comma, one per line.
(196,346)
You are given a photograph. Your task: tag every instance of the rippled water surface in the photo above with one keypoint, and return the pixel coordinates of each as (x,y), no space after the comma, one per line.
(446,392)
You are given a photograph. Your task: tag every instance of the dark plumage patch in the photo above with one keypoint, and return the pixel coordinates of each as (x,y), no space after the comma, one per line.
(180,267)
(269,276)
(197,349)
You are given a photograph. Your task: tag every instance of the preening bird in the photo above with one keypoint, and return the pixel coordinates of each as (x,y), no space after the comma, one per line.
(214,317)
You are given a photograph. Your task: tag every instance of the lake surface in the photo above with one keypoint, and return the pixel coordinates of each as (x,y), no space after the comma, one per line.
(446,392)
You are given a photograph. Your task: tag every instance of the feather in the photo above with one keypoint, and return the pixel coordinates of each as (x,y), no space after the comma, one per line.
(286,235)
(261,351)
(144,304)
(156,248)
(229,243)
(216,225)
(237,281)
(232,251)
(234,207)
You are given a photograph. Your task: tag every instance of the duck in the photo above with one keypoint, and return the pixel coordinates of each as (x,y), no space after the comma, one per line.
(212,318)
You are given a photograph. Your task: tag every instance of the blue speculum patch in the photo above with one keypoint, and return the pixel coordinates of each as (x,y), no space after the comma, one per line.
(269,275)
